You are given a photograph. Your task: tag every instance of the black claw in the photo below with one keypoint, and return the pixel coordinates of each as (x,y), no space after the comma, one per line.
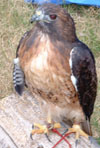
(31,136)
(76,143)
(48,137)
(33,126)
(91,139)
(65,132)
(94,142)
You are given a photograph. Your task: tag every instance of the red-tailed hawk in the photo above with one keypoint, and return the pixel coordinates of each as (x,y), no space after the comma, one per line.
(58,68)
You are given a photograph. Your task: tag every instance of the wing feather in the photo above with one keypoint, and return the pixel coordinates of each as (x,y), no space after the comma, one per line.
(83,68)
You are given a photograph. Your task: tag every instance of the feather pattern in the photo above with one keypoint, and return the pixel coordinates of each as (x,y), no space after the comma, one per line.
(18,77)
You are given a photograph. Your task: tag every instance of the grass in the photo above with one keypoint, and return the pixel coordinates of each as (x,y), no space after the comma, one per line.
(87,21)
(96,115)
(14,21)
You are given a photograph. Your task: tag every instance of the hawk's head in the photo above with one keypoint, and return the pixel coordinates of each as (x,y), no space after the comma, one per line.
(54,20)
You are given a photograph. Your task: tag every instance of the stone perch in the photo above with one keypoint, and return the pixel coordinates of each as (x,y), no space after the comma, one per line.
(17,114)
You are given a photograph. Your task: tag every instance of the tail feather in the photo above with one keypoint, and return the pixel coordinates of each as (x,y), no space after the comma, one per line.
(86,127)
(18,77)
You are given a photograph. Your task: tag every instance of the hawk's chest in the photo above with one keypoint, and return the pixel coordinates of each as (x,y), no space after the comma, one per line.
(47,75)
(39,62)
(45,70)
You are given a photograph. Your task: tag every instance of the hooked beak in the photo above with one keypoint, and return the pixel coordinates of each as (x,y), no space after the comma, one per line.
(33,18)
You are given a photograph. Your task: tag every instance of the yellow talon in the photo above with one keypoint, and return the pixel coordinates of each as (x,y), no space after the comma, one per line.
(38,131)
(79,132)
(57,125)
(43,128)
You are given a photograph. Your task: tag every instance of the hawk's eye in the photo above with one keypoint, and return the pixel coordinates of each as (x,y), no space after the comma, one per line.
(53,16)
